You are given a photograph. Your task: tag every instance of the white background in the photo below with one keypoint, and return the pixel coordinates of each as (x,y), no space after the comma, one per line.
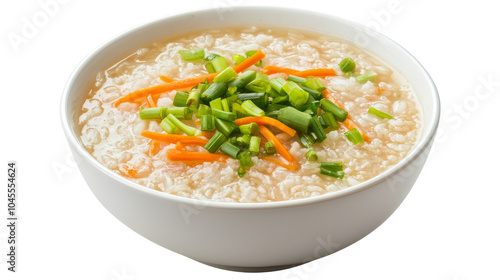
(446,229)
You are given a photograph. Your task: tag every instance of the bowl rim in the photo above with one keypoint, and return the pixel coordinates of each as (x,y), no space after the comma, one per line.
(421,146)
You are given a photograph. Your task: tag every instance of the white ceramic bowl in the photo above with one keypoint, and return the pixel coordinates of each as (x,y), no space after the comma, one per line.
(255,235)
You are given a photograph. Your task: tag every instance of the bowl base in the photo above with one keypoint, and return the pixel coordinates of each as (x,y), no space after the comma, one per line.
(252,269)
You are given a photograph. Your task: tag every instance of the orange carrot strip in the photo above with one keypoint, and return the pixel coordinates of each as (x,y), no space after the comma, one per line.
(176,155)
(289,166)
(317,72)
(266,120)
(174,138)
(177,84)
(276,69)
(151,102)
(208,134)
(256,57)
(166,79)
(349,122)
(131,171)
(277,144)
(154,147)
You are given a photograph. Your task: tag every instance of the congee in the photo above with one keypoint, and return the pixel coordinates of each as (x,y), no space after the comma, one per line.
(250,115)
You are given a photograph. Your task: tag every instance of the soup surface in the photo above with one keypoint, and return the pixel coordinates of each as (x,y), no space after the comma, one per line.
(112,134)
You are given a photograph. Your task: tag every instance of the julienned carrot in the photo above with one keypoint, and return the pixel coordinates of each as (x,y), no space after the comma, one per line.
(177,84)
(289,166)
(166,79)
(266,120)
(317,72)
(277,144)
(174,138)
(176,155)
(349,122)
(150,100)
(131,171)
(276,69)
(154,147)
(256,57)
(208,134)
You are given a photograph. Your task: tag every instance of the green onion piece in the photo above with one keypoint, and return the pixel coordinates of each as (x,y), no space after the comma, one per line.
(347,65)
(215,142)
(254,145)
(230,149)
(296,79)
(238,58)
(296,95)
(216,104)
(180,99)
(260,99)
(272,93)
(241,171)
(245,159)
(259,84)
(180,112)
(168,126)
(191,131)
(363,78)
(354,136)
(231,91)
(211,56)
(269,148)
(329,120)
(214,91)
(203,86)
(311,155)
(194,97)
(241,81)
(314,84)
(232,140)
(226,75)
(239,112)
(249,129)
(379,113)
(250,108)
(219,63)
(192,55)
(305,140)
(207,123)
(203,109)
(210,67)
(280,99)
(277,84)
(228,116)
(329,106)
(250,53)
(153,113)
(226,127)
(336,174)
(315,94)
(243,140)
(225,105)
(294,119)
(333,166)
(316,128)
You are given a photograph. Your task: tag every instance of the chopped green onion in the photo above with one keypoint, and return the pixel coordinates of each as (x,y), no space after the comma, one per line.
(232,140)
(153,113)
(328,120)
(245,159)
(211,56)
(250,108)
(333,166)
(239,112)
(314,84)
(215,142)
(315,94)
(250,53)
(203,109)
(277,84)
(191,131)
(354,136)
(347,65)
(230,149)
(280,99)
(180,99)
(336,174)
(225,105)
(363,78)
(180,112)
(241,81)
(238,58)
(379,113)
(226,75)
(305,140)
(329,106)
(258,98)
(316,128)
(243,140)
(228,116)
(254,145)
(249,129)
(216,104)
(259,84)
(294,119)
(272,93)
(311,155)
(210,67)
(207,123)
(203,86)
(194,97)
(226,127)
(168,126)
(215,90)
(296,95)
(192,55)
(219,63)
(269,148)
(241,171)
(296,79)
